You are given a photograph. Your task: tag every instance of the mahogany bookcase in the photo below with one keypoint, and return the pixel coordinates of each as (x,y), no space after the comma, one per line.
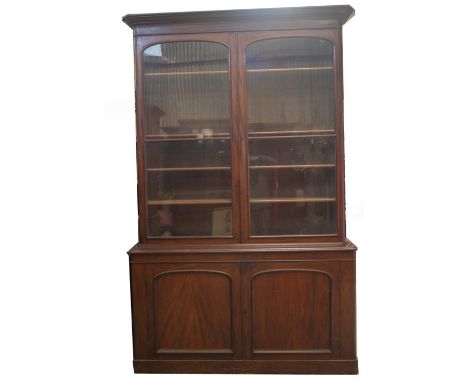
(242,263)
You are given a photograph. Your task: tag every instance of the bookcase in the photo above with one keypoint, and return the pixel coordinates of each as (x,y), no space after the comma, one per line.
(242,263)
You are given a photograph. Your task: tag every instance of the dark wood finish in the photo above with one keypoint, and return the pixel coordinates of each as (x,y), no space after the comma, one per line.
(300,311)
(242,304)
(190,310)
(328,366)
(141,43)
(245,39)
(302,303)
(240,20)
(296,305)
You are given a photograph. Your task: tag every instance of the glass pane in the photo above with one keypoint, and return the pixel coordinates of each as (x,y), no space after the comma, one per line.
(292,150)
(187,139)
(291,131)
(292,218)
(189,220)
(291,85)
(188,185)
(186,89)
(292,183)
(188,153)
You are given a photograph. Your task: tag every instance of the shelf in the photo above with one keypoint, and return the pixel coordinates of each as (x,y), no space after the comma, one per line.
(291,134)
(186,137)
(304,69)
(292,200)
(187,73)
(272,132)
(286,166)
(174,202)
(251,135)
(175,169)
(211,72)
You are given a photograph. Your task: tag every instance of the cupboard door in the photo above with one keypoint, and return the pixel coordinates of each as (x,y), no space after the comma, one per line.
(302,310)
(290,118)
(188,311)
(186,127)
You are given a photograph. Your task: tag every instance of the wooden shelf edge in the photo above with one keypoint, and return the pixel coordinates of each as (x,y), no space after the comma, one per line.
(292,166)
(291,200)
(175,202)
(264,70)
(194,138)
(292,136)
(285,132)
(303,69)
(185,73)
(176,169)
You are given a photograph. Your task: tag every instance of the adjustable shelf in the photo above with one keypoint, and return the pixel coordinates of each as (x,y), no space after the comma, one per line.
(291,200)
(174,202)
(291,166)
(292,134)
(214,72)
(186,137)
(176,169)
(304,69)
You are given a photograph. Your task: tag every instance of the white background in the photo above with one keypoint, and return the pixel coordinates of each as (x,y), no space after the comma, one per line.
(68,187)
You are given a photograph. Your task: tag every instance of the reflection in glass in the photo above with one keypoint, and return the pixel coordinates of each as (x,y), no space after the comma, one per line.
(170,220)
(292,183)
(292,151)
(292,218)
(186,87)
(291,136)
(188,152)
(187,139)
(291,85)
(189,185)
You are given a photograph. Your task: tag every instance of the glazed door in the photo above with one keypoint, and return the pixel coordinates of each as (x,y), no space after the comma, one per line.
(299,310)
(291,129)
(187,127)
(187,311)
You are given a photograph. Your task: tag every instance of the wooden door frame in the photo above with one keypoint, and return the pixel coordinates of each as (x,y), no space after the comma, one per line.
(244,39)
(342,319)
(228,39)
(145,335)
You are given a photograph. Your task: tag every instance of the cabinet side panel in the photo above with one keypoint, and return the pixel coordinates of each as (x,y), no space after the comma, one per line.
(139,316)
(347,312)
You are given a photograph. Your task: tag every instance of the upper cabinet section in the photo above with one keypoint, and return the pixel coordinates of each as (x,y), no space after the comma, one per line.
(240,125)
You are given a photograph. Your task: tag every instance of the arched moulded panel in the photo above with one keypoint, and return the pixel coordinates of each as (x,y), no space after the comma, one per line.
(295,305)
(192,312)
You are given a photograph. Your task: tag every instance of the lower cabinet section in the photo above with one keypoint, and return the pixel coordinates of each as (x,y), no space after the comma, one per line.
(258,317)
